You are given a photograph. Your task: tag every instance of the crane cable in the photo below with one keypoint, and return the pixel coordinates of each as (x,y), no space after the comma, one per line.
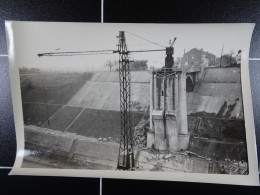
(145,39)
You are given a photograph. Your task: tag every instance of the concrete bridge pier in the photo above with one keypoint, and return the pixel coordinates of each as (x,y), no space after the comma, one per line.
(150,133)
(170,116)
(160,137)
(168,107)
(168,112)
(184,135)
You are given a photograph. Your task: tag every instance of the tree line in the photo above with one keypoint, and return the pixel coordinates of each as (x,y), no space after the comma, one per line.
(137,65)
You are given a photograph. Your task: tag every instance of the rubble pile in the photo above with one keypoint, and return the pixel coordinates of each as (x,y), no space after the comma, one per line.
(140,133)
(155,161)
(140,140)
(105,139)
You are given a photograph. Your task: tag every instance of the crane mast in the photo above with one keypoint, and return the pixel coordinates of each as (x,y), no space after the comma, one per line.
(126,159)
(126,151)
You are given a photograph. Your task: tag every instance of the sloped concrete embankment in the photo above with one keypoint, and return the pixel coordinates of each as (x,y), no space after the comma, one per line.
(136,77)
(216,105)
(102,91)
(218,92)
(72,145)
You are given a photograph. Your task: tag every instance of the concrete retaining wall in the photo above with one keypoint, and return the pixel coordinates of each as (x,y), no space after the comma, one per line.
(72,145)
(105,153)
(222,75)
(218,91)
(98,152)
(50,139)
(198,103)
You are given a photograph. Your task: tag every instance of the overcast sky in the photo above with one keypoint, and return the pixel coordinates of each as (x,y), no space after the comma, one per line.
(32,38)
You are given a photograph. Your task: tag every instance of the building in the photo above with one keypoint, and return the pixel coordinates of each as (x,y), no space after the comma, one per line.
(196,57)
(178,61)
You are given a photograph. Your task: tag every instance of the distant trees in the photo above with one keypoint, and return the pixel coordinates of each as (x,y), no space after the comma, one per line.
(111,64)
(228,60)
(139,107)
(136,105)
(139,65)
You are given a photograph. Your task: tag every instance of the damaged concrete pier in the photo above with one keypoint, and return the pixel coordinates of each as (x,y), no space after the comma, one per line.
(168,106)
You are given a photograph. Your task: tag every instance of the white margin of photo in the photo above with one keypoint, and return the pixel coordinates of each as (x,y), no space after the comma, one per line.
(251,179)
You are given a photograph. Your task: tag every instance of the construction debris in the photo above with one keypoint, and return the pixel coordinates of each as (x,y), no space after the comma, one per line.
(106,139)
(168,156)
(140,137)
(140,133)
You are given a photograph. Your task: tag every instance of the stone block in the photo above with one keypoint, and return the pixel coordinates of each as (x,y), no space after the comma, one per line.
(172,132)
(150,139)
(183,141)
(159,135)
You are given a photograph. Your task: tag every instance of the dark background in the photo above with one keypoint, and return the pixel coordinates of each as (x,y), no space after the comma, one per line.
(123,11)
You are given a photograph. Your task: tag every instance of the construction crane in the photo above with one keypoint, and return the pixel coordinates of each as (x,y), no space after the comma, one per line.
(126,150)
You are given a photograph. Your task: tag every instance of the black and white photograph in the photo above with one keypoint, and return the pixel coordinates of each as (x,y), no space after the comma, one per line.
(147,101)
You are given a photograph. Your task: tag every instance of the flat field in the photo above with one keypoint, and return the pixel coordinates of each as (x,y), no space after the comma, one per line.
(100,123)
(52,88)
(62,118)
(37,114)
